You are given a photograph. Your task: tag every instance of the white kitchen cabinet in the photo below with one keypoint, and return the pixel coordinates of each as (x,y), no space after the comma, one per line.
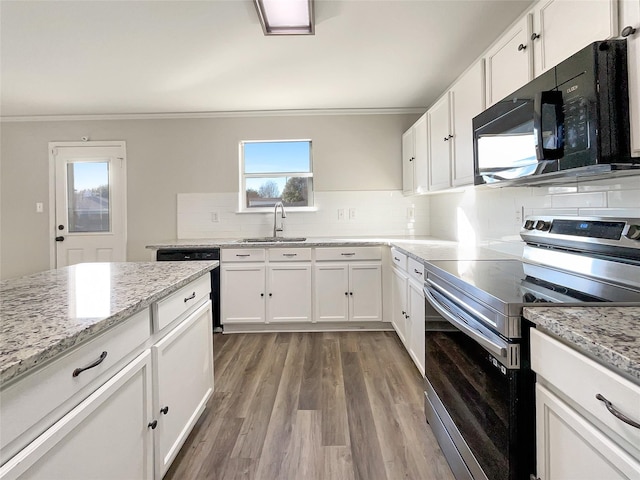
(183,366)
(415,323)
(509,62)
(467,101)
(242,293)
(561,28)
(365,292)
(414,158)
(399,314)
(576,435)
(107,436)
(439,144)
(630,20)
(289,293)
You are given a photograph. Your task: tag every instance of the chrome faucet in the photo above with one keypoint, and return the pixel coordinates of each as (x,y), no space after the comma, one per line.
(275,219)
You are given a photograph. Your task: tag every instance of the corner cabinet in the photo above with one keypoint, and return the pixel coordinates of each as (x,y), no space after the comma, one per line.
(576,435)
(414,158)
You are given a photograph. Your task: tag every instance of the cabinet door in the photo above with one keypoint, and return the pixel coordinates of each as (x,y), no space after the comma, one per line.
(105,437)
(467,101)
(630,17)
(509,62)
(421,167)
(440,144)
(568,446)
(242,298)
(561,28)
(183,362)
(408,157)
(416,321)
(398,318)
(365,292)
(332,292)
(289,293)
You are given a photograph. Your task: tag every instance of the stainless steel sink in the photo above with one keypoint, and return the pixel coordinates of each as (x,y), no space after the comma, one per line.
(272,239)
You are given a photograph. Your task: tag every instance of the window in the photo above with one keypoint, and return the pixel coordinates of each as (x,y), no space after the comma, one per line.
(276,171)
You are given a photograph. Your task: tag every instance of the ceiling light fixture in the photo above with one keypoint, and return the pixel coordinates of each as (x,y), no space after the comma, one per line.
(286,17)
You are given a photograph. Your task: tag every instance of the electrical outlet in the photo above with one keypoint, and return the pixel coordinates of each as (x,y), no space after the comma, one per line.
(215,218)
(352,214)
(39,207)
(411,213)
(519,215)
(341,214)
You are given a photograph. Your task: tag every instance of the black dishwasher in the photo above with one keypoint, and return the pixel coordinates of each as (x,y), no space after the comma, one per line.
(191,254)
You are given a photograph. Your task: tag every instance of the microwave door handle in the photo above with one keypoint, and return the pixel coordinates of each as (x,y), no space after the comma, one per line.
(493,347)
(541,102)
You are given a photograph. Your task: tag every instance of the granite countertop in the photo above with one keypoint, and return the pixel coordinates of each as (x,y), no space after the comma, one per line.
(43,314)
(611,335)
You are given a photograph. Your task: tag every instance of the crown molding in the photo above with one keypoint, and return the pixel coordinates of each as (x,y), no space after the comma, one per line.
(230,114)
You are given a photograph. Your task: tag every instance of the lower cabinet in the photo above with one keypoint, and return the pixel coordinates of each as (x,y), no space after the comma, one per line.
(242,293)
(415,324)
(289,293)
(399,292)
(106,436)
(183,365)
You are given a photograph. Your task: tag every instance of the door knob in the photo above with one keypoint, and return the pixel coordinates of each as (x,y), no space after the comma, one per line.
(60,239)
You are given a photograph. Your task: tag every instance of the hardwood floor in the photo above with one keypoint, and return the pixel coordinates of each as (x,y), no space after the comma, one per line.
(325,406)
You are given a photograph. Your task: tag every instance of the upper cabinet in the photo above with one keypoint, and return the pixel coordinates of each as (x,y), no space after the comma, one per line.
(414,158)
(561,28)
(630,29)
(439,143)
(509,62)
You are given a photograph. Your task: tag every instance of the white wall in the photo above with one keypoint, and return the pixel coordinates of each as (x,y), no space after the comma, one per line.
(167,157)
(492,215)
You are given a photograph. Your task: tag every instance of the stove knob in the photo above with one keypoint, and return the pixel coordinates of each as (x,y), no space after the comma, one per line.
(529,224)
(542,225)
(633,233)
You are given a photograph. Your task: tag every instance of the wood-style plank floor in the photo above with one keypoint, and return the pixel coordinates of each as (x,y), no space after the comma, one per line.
(325,406)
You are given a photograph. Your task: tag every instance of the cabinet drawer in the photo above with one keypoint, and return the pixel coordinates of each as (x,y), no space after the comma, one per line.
(580,379)
(242,255)
(178,303)
(42,394)
(289,254)
(398,259)
(416,270)
(348,253)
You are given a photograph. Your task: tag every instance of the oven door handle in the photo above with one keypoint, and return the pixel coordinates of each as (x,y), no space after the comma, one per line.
(476,334)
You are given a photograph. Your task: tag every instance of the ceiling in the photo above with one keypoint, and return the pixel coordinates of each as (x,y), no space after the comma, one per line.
(84,57)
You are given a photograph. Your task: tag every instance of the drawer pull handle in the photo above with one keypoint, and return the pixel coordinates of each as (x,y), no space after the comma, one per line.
(153,424)
(616,413)
(348,254)
(190,297)
(78,371)
(164,410)
(243,255)
(289,254)
(417,271)
(396,259)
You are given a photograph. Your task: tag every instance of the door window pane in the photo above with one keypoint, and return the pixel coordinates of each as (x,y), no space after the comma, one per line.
(88,197)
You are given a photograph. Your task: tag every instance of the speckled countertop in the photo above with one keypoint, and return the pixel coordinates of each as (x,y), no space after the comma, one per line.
(608,334)
(43,314)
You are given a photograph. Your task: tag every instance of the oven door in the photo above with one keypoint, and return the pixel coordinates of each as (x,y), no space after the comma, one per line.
(472,397)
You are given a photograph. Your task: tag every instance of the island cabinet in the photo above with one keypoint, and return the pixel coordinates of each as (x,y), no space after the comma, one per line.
(348,284)
(119,405)
(578,434)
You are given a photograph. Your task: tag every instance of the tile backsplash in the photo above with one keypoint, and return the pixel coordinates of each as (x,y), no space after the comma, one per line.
(374,213)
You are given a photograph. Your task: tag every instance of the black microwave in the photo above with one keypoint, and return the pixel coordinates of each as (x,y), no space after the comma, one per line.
(571,120)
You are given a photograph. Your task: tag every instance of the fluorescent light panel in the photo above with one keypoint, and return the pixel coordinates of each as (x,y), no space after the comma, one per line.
(286,17)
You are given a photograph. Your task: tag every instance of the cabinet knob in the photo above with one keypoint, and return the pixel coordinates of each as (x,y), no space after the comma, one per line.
(351,293)
(164,410)
(404,313)
(521,47)
(60,239)
(535,36)
(153,425)
(346,294)
(628,30)
(271,294)
(262,294)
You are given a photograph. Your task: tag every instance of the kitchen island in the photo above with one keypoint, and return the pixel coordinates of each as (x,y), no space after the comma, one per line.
(103,367)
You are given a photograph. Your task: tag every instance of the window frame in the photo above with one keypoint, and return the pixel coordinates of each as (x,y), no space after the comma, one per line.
(242,196)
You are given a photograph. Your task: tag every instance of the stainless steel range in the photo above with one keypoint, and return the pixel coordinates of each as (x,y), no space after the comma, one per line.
(479,387)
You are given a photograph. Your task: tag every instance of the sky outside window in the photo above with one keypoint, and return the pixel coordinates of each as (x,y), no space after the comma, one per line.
(277,157)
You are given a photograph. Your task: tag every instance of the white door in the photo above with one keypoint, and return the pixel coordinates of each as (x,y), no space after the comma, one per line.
(416,324)
(89,184)
(399,317)
(242,297)
(332,292)
(289,297)
(365,292)
(440,144)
